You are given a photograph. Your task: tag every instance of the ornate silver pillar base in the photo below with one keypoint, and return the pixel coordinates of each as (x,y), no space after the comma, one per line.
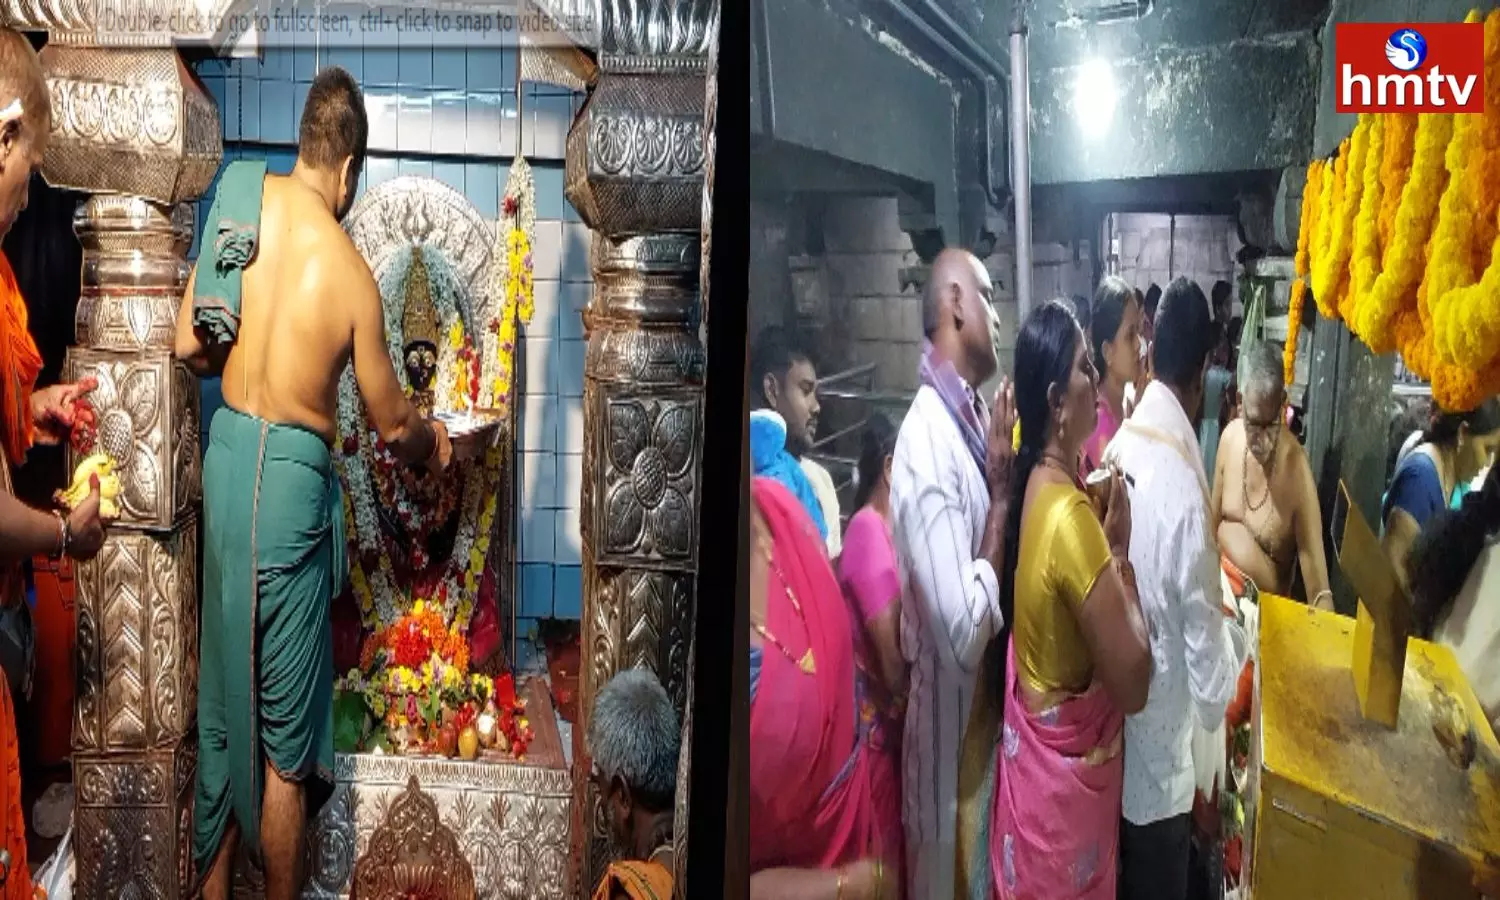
(136,129)
(635,174)
(134,744)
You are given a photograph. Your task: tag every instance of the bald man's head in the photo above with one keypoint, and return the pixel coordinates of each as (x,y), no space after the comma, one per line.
(957,315)
(25,122)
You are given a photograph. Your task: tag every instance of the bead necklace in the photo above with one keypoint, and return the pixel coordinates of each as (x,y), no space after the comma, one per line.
(806,662)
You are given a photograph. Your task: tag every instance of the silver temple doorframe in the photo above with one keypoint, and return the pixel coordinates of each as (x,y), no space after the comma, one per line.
(635,173)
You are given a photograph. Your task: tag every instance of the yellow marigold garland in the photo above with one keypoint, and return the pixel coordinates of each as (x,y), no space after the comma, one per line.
(1484,177)
(1293,331)
(1395,165)
(1306,225)
(1337,222)
(1463,321)
(1450,261)
(1400,237)
(1364,261)
(1331,270)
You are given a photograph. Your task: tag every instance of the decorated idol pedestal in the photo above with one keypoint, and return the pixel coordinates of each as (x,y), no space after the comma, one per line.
(436,740)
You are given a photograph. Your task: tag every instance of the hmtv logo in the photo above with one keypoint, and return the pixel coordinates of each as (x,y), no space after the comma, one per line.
(1409,68)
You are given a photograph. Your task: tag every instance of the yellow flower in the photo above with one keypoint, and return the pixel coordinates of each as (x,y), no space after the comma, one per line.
(1331,271)
(456,335)
(418,607)
(1364,263)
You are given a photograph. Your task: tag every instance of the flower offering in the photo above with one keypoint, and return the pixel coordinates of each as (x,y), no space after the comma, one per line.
(413,694)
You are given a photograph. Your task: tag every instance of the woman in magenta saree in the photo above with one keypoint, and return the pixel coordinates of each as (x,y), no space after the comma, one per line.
(1078,658)
(824,812)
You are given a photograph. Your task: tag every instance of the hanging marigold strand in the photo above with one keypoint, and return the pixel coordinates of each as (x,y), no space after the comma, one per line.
(1404,258)
(1464,321)
(1450,261)
(1306,224)
(1364,261)
(1331,273)
(1397,145)
(1325,273)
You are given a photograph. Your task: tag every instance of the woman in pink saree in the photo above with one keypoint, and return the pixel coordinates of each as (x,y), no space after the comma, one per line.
(1078,659)
(825,819)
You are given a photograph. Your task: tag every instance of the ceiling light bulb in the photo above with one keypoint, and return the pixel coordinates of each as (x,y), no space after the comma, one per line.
(1094,97)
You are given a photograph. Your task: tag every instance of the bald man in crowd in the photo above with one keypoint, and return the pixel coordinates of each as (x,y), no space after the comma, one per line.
(1265,502)
(950,495)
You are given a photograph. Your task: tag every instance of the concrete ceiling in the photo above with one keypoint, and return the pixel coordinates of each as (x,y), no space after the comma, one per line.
(1062,32)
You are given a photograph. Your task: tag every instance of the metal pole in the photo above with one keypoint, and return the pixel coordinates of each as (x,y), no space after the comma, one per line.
(1020,156)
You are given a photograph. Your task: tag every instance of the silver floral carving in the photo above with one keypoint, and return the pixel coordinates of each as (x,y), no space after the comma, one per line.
(644,35)
(132,824)
(649,496)
(147,407)
(129,123)
(511,821)
(635,145)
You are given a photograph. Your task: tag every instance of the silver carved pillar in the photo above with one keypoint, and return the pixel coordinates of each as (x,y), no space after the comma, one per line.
(635,169)
(683,805)
(134,128)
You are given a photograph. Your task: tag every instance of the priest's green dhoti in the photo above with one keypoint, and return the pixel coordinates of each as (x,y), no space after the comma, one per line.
(273,559)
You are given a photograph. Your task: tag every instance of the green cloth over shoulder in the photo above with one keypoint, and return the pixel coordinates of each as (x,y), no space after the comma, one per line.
(230,239)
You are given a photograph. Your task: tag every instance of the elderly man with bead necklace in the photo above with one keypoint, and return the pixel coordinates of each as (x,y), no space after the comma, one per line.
(1265,502)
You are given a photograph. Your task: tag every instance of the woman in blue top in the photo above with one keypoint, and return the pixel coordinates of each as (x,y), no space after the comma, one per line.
(1452,451)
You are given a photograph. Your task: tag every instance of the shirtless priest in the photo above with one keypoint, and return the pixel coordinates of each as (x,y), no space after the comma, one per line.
(279,302)
(1265,503)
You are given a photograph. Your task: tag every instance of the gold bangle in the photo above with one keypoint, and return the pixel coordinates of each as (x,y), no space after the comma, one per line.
(839,887)
(879,878)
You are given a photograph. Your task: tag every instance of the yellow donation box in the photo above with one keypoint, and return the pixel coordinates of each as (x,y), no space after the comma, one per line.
(1375,775)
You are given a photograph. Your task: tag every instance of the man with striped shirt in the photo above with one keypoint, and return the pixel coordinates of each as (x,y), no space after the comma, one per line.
(950,491)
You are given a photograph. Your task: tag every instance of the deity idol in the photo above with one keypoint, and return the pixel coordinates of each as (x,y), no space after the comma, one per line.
(419,643)
(419,327)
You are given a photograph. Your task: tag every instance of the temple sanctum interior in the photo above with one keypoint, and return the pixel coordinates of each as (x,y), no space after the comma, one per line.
(531,208)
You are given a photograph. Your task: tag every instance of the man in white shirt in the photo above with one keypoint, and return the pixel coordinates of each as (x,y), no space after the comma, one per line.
(950,492)
(1197,661)
(784,380)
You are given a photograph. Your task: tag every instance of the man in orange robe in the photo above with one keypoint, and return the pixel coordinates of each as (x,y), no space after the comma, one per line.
(27,416)
(633,739)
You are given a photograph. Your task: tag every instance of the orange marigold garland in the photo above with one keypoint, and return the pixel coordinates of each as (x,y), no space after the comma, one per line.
(1406,254)
(1395,166)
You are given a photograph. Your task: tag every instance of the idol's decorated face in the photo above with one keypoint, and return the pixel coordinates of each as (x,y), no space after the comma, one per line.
(421,365)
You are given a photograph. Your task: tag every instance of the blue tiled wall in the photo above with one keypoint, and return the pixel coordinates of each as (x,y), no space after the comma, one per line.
(451,114)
